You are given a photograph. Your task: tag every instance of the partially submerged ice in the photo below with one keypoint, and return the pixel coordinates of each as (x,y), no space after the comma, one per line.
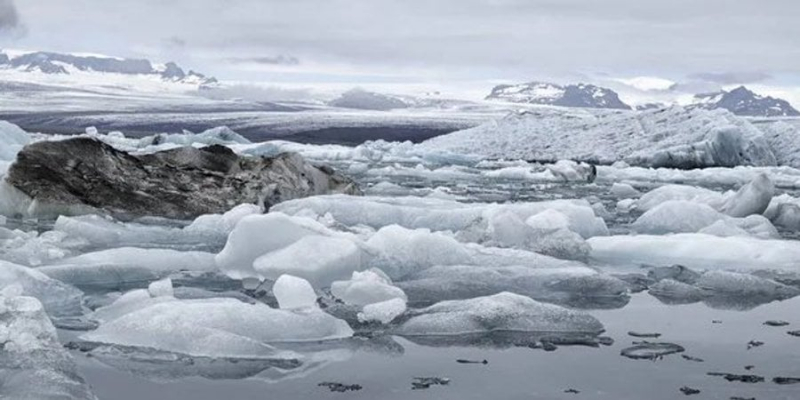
(33,364)
(217,328)
(575,285)
(293,292)
(367,287)
(497,313)
(58,298)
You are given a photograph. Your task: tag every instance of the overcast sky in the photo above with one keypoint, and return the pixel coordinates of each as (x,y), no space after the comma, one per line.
(456,45)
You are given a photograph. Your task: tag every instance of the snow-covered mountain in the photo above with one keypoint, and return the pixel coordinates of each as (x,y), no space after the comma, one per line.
(742,101)
(573,95)
(48,63)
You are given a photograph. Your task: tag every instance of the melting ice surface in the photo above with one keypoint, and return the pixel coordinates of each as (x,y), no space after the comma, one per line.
(446,257)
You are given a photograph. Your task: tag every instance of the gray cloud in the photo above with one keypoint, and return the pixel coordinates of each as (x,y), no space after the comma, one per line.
(443,40)
(175,41)
(9,18)
(730,78)
(269,60)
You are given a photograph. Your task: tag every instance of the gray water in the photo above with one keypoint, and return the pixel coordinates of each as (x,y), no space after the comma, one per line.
(523,373)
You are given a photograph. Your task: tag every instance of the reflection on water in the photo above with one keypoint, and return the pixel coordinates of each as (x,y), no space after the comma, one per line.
(715,340)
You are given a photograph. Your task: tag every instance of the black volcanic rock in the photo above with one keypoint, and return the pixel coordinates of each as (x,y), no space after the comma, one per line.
(580,95)
(742,101)
(180,183)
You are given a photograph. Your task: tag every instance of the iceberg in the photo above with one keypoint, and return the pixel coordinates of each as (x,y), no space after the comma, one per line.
(58,298)
(384,311)
(317,259)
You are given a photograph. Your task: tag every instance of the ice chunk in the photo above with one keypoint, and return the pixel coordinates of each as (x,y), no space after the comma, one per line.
(129,301)
(408,251)
(568,171)
(788,216)
(677,216)
(744,285)
(58,298)
(384,311)
(12,140)
(217,328)
(753,198)
(161,288)
(34,364)
(574,285)
(697,250)
(367,287)
(723,228)
(293,292)
(223,223)
(126,267)
(501,312)
(666,193)
(437,214)
(256,235)
(624,191)
(318,259)
(546,233)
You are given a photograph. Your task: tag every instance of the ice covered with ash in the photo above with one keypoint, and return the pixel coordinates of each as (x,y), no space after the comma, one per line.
(501,312)
(34,365)
(217,328)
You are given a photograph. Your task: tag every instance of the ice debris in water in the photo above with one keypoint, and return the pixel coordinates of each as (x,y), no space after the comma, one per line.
(125,267)
(367,287)
(697,251)
(624,191)
(383,312)
(753,198)
(217,328)
(573,285)
(439,215)
(162,288)
(318,259)
(59,299)
(501,312)
(678,216)
(34,364)
(293,292)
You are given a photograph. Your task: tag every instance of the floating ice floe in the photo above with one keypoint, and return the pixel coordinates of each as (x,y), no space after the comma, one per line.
(59,299)
(217,328)
(576,285)
(696,250)
(34,364)
(383,312)
(500,312)
(437,214)
(367,287)
(676,216)
(126,267)
(293,292)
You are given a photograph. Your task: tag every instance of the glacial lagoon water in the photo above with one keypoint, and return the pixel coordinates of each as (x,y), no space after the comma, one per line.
(718,337)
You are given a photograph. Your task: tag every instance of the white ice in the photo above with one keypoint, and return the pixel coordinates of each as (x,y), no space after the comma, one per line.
(367,287)
(293,292)
(500,312)
(383,312)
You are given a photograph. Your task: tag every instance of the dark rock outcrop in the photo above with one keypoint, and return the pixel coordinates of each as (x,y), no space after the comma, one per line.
(180,183)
